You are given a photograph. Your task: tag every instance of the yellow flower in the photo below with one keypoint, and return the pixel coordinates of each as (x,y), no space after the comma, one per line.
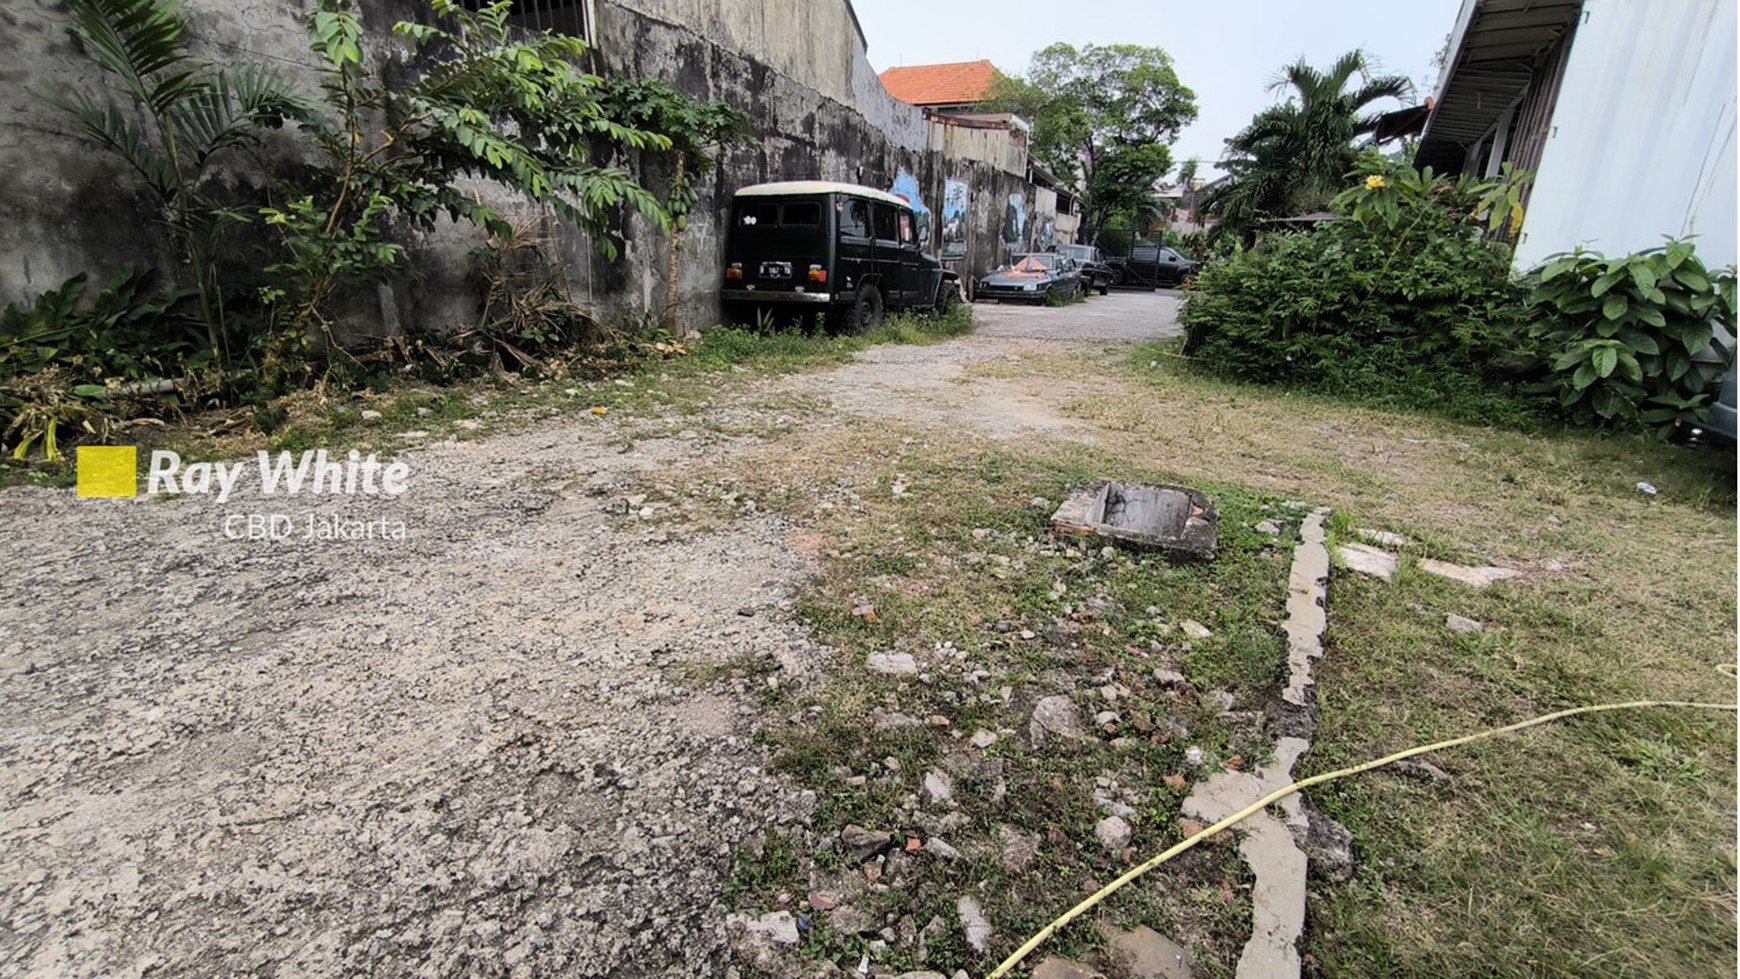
(1375,181)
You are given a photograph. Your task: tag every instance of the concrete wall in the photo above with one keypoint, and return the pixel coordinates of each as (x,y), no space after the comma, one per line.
(797,67)
(1641,144)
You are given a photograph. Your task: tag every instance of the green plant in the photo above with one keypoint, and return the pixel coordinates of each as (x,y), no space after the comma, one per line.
(479,101)
(37,407)
(1632,340)
(1294,156)
(1405,302)
(171,118)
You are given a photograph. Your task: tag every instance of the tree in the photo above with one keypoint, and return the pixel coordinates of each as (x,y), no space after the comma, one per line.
(1098,104)
(172,120)
(1294,157)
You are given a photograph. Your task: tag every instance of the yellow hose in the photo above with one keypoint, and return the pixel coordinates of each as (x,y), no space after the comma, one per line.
(1038,939)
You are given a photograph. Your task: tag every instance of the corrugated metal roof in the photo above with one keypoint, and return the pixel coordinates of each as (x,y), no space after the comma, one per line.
(1499,49)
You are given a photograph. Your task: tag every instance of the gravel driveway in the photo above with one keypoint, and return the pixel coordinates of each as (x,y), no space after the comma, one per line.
(470,752)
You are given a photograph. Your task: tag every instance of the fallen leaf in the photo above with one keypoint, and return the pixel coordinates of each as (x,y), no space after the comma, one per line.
(1226,891)
(1173,781)
(913,844)
(600,410)
(1234,763)
(1190,827)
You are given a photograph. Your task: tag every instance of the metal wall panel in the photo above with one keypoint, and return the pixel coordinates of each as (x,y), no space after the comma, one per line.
(1641,143)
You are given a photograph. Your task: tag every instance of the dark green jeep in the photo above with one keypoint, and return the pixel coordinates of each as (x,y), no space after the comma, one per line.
(848,252)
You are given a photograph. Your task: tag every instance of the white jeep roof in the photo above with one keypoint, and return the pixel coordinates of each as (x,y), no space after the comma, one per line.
(789,187)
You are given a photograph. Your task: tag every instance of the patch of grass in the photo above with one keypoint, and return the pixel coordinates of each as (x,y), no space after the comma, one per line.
(961,572)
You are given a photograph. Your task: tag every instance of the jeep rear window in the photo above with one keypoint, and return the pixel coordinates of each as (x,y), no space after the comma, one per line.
(804,213)
(758,214)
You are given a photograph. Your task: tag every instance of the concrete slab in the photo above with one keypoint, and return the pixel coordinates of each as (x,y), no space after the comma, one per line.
(1368,560)
(1307,612)
(1175,519)
(1478,577)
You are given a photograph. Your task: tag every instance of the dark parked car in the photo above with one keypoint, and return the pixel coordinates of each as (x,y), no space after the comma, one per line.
(1032,278)
(1721,422)
(1095,273)
(1149,266)
(846,251)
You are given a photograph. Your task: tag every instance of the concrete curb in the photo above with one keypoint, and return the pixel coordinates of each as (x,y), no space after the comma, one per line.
(1270,845)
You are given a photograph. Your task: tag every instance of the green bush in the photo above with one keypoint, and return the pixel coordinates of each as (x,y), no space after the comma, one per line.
(1402,302)
(1631,340)
(63,354)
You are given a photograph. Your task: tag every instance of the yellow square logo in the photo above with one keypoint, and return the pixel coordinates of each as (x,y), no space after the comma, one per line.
(108,471)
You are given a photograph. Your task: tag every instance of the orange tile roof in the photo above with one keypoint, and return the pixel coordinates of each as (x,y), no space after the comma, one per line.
(950,84)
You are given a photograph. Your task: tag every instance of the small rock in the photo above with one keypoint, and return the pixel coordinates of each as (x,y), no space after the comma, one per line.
(1193,756)
(982,739)
(1195,629)
(974,923)
(1019,849)
(1060,968)
(1382,538)
(369,415)
(778,926)
(1039,503)
(848,920)
(937,789)
(415,433)
(1462,624)
(637,500)
(937,848)
(1269,527)
(470,425)
(1168,678)
(892,664)
(1113,833)
(865,842)
(1647,489)
(1144,953)
(1055,717)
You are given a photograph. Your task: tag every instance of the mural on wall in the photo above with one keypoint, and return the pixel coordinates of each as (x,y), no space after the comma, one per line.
(1015,226)
(1045,233)
(906,188)
(954,218)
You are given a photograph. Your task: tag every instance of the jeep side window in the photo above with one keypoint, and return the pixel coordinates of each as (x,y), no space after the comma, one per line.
(884,216)
(906,236)
(854,218)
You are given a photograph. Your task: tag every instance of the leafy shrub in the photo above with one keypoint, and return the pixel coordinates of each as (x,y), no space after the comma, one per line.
(1632,340)
(64,353)
(1403,302)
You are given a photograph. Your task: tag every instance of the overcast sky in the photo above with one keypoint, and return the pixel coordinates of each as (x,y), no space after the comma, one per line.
(1227,51)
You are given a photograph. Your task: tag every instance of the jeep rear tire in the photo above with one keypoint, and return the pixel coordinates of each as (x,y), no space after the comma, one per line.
(866,312)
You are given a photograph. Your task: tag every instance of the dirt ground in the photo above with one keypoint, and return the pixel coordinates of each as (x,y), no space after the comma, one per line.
(475,751)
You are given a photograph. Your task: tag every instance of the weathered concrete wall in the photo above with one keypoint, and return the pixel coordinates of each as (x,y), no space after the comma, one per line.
(797,67)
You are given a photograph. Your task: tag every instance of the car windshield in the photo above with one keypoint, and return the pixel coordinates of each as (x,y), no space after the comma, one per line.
(1036,263)
(1076,251)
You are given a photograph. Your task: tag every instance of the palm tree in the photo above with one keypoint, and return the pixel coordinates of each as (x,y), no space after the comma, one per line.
(171,116)
(1294,156)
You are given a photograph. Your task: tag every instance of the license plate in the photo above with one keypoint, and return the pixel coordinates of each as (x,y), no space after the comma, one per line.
(776,270)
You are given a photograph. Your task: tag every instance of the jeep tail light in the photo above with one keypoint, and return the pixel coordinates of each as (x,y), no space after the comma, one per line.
(818,274)
(734,270)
